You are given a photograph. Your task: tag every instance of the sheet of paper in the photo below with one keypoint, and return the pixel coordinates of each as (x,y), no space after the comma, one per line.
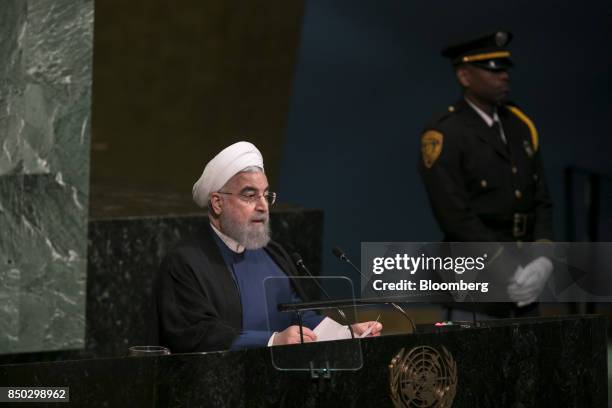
(329,329)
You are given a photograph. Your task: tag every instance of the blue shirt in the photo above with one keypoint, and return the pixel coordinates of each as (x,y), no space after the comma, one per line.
(262,285)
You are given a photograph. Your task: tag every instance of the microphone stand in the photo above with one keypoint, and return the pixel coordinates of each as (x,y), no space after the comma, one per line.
(342,256)
(300,263)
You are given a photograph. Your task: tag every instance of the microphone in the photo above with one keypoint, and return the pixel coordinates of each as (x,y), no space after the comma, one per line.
(339,253)
(297,258)
(300,263)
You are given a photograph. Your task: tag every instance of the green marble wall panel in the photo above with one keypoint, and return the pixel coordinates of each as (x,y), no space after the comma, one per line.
(45,94)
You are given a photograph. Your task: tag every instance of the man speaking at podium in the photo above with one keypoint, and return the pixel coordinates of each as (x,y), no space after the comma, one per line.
(209,291)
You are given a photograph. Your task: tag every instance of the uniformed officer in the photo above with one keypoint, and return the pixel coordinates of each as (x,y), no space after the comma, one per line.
(481,159)
(481,163)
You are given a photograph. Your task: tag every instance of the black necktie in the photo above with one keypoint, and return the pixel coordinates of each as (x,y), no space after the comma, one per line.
(498,128)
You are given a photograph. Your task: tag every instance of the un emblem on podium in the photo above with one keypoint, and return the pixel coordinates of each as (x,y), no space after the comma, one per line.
(423,377)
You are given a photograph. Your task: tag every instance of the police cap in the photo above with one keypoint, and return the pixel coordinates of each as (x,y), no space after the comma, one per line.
(488,52)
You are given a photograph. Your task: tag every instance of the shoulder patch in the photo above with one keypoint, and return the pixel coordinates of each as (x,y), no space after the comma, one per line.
(431,147)
(532,129)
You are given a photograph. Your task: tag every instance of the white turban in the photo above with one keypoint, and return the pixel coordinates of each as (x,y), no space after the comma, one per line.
(230,161)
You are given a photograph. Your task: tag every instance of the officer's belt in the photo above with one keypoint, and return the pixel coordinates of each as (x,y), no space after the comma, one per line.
(520,224)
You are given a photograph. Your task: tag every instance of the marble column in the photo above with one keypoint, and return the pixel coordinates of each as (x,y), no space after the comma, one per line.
(45,94)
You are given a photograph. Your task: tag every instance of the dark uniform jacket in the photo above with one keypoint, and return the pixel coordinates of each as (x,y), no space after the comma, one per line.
(481,189)
(197,304)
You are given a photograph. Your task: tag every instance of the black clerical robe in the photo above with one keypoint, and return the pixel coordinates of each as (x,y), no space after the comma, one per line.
(196,301)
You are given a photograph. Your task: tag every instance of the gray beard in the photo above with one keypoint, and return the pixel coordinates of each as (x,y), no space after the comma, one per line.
(249,236)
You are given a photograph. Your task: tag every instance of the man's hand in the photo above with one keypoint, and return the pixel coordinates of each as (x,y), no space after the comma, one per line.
(528,282)
(360,328)
(291,335)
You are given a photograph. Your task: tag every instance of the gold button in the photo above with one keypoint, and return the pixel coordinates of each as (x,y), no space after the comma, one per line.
(483,183)
(451,108)
(514,170)
(518,193)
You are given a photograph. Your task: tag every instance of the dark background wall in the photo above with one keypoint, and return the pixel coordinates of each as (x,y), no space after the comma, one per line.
(174,82)
(335,94)
(369,76)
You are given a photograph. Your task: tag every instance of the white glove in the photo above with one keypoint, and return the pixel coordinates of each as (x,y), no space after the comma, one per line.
(528,282)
